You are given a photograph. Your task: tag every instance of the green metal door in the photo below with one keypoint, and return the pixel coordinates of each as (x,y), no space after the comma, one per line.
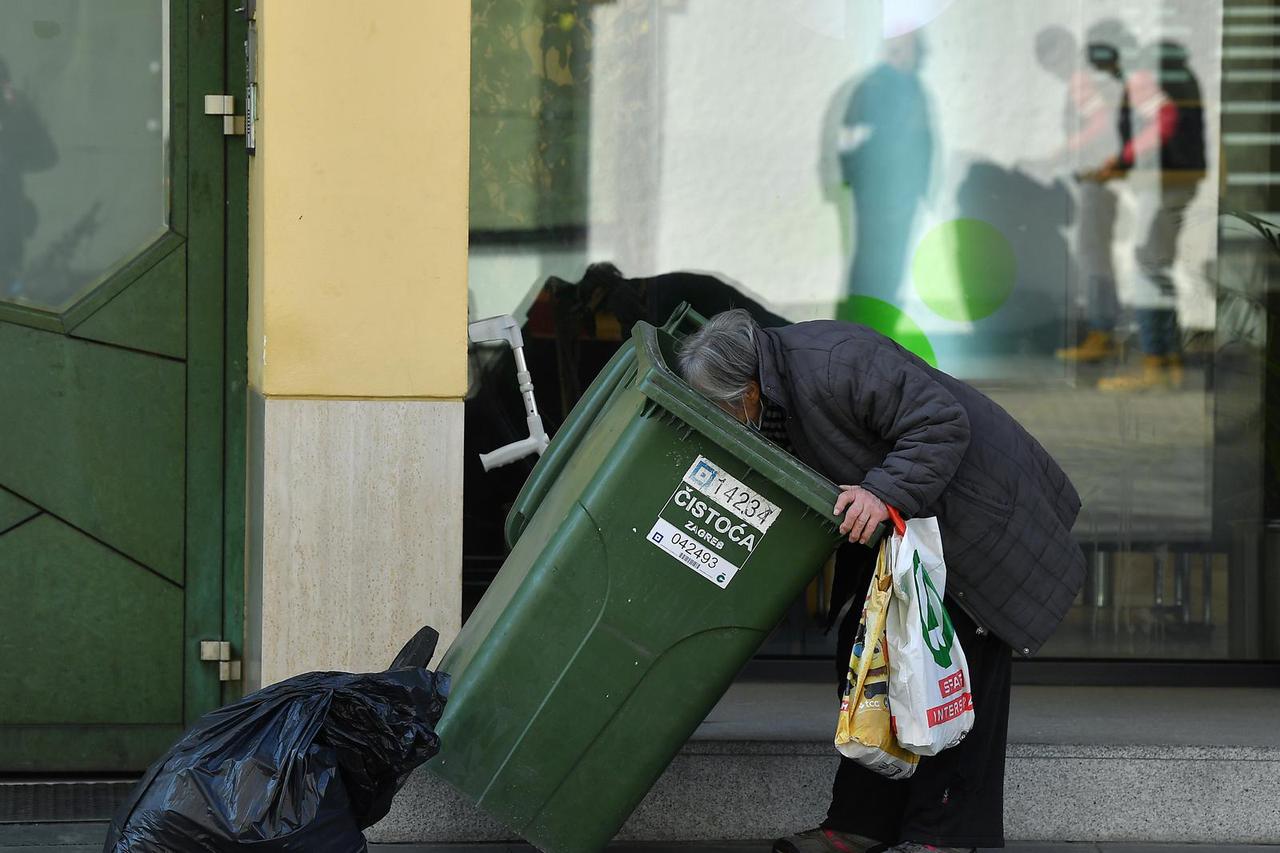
(120,412)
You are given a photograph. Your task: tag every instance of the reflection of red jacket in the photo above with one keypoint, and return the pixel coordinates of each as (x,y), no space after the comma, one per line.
(1167,122)
(1092,114)
(1155,118)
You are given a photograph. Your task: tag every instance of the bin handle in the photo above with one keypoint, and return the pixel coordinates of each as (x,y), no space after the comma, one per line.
(683,320)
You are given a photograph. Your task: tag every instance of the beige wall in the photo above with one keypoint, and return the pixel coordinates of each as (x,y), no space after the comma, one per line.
(358,225)
(358,293)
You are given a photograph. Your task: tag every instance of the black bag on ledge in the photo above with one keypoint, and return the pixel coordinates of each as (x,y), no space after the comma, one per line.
(303,765)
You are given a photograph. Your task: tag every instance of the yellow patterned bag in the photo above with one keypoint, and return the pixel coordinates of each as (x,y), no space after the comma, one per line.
(864,731)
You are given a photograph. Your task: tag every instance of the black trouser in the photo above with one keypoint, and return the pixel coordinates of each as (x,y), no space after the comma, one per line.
(955,798)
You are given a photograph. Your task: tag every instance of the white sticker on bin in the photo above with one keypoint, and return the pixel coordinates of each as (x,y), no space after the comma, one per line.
(713,523)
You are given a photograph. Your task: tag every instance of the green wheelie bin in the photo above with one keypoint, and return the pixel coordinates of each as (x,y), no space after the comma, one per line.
(662,553)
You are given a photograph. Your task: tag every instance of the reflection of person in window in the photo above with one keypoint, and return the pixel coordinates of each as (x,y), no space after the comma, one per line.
(886,149)
(1093,97)
(25,146)
(1163,158)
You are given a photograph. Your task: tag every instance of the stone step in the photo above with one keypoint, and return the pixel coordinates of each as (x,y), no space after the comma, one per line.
(1085,765)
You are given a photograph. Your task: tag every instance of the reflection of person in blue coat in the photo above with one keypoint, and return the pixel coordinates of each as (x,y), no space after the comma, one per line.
(885,147)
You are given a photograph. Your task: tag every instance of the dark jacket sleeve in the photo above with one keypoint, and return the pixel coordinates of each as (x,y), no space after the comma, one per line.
(898,400)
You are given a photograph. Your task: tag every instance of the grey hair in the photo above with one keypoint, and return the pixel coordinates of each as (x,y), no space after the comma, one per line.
(720,358)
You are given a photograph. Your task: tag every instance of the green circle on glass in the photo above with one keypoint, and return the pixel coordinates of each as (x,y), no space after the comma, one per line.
(964,269)
(890,321)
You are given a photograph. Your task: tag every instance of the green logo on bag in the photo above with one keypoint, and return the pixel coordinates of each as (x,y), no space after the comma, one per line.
(935,624)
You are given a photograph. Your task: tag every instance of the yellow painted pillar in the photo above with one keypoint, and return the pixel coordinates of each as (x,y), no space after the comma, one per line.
(357,330)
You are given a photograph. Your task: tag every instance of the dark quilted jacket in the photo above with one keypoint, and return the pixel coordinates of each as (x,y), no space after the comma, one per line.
(862,410)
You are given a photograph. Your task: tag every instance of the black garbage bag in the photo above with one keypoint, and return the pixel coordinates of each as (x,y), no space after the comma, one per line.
(303,765)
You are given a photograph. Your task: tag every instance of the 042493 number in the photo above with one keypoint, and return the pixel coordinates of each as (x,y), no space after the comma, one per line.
(695,550)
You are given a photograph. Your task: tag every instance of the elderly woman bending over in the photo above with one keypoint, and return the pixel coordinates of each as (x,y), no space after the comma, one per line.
(866,413)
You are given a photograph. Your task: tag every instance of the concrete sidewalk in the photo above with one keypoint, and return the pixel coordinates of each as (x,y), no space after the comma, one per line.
(87,838)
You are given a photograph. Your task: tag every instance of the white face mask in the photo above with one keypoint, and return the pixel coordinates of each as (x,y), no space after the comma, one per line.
(739,413)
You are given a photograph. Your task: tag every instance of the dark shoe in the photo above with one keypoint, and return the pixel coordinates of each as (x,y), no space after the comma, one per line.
(915,847)
(824,841)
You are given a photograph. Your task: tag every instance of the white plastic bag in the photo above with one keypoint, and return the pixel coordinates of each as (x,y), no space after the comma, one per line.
(929,690)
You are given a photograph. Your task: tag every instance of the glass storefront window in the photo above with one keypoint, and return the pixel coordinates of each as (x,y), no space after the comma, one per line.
(1067,203)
